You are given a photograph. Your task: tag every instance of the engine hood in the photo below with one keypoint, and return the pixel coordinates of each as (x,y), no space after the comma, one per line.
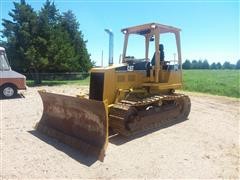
(11,74)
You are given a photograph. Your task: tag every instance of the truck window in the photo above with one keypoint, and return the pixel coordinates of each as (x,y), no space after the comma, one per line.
(4,66)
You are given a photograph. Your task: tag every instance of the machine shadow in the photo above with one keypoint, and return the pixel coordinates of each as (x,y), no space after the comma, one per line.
(75,154)
(88,160)
(119,140)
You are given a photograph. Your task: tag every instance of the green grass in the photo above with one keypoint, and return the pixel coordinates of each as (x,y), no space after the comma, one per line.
(218,82)
(60,82)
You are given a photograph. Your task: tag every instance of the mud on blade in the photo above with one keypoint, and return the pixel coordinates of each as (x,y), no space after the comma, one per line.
(78,122)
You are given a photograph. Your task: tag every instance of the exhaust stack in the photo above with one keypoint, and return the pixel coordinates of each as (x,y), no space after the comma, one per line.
(110,58)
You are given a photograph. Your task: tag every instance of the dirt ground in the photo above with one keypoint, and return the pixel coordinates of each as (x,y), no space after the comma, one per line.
(204,146)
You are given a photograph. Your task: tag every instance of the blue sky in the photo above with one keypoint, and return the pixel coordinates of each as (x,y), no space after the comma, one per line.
(210,29)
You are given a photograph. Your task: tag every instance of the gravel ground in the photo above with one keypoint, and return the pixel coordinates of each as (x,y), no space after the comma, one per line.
(205,146)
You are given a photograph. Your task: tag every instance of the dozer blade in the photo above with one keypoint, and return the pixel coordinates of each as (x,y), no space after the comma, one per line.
(78,122)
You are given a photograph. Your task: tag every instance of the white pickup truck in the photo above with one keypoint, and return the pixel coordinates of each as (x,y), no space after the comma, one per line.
(10,81)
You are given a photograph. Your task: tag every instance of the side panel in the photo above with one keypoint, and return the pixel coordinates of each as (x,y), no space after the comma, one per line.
(170,76)
(130,79)
(110,91)
(13,77)
(20,83)
(115,80)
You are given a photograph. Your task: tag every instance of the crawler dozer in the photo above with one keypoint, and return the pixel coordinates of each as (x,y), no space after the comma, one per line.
(131,97)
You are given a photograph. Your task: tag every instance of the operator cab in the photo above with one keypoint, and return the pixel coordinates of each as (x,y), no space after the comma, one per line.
(138,53)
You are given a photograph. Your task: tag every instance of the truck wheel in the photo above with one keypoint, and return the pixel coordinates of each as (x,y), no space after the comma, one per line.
(8,91)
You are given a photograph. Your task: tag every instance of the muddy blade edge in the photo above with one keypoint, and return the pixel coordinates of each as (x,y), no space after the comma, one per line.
(78,122)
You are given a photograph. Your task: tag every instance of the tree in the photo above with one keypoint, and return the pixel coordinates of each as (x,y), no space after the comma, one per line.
(60,52)
(49,14)
(194,64)
(226,65)
(70,24)
(3,44)
(200,64)
(238,64)
(213,66)
(218,66)
(46,41)
(21,35)
(205,64)
(232,66)
(54,46)
(186,64)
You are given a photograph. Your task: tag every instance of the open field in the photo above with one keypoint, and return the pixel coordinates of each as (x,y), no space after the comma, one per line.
(204,146)
(219,82)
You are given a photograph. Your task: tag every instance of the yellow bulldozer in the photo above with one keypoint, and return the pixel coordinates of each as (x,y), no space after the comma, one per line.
(129,98)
